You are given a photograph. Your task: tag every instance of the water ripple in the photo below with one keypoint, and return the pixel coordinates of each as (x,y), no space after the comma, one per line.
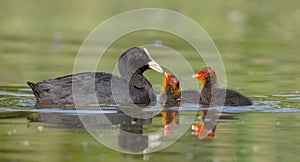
(20,99)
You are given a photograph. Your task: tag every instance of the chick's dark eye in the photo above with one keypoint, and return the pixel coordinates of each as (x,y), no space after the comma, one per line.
(174,80)
(206,69)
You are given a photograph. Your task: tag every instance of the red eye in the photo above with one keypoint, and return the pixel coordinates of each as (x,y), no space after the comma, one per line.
(142,55)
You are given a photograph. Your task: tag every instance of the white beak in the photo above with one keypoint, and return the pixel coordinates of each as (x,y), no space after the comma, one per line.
(155,66)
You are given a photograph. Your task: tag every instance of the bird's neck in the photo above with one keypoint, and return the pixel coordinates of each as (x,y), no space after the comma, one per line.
(130,73)
(209,84)
(172,95)
(139,80)
(170,90)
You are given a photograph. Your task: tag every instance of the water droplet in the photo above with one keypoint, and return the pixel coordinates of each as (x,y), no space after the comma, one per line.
(216,160)
(250,73)
(244,151)
(102,157)
(158,42)
(84,144)
(256,149)
(25,143)
(40,128)
(146,157)
(129,158)
(236,16)
(189,155)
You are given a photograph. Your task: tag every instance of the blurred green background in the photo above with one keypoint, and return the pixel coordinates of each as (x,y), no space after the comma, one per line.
(258,40)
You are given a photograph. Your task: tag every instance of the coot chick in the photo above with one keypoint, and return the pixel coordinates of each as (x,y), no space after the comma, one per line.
(210,93)
(172,95)
(101,87)
(171,91)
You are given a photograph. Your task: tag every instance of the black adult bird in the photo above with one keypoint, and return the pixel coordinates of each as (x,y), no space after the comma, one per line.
(100,87)
(210,93)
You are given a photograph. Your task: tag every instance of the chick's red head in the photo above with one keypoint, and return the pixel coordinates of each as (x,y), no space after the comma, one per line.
(172,81)
(205,74)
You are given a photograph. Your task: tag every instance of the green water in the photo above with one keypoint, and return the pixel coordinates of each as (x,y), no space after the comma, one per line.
(259,44)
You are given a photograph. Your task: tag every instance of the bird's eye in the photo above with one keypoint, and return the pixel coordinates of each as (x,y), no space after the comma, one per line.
(142,55)
(174,80)
(206,69)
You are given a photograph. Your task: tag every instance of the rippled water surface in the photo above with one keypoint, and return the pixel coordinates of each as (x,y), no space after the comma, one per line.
(265,131)
(259,44)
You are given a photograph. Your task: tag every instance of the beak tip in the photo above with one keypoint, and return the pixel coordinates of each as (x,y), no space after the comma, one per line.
(155,66)
(160,70)
(195,76)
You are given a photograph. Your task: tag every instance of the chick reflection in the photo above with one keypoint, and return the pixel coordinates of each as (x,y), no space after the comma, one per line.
(205,127)
(200,130)
(172,95)
(170,119)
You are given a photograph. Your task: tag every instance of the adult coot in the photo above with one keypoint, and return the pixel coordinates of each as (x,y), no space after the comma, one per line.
(100,87)
(210,93)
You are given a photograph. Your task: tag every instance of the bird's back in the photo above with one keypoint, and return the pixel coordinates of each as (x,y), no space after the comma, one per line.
(88,88)
(227,97)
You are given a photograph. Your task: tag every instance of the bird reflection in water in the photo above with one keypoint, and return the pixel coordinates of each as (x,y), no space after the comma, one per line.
(200,130)
(172,97)
(130,131)
(206,128)
(131,135)
(170,120)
